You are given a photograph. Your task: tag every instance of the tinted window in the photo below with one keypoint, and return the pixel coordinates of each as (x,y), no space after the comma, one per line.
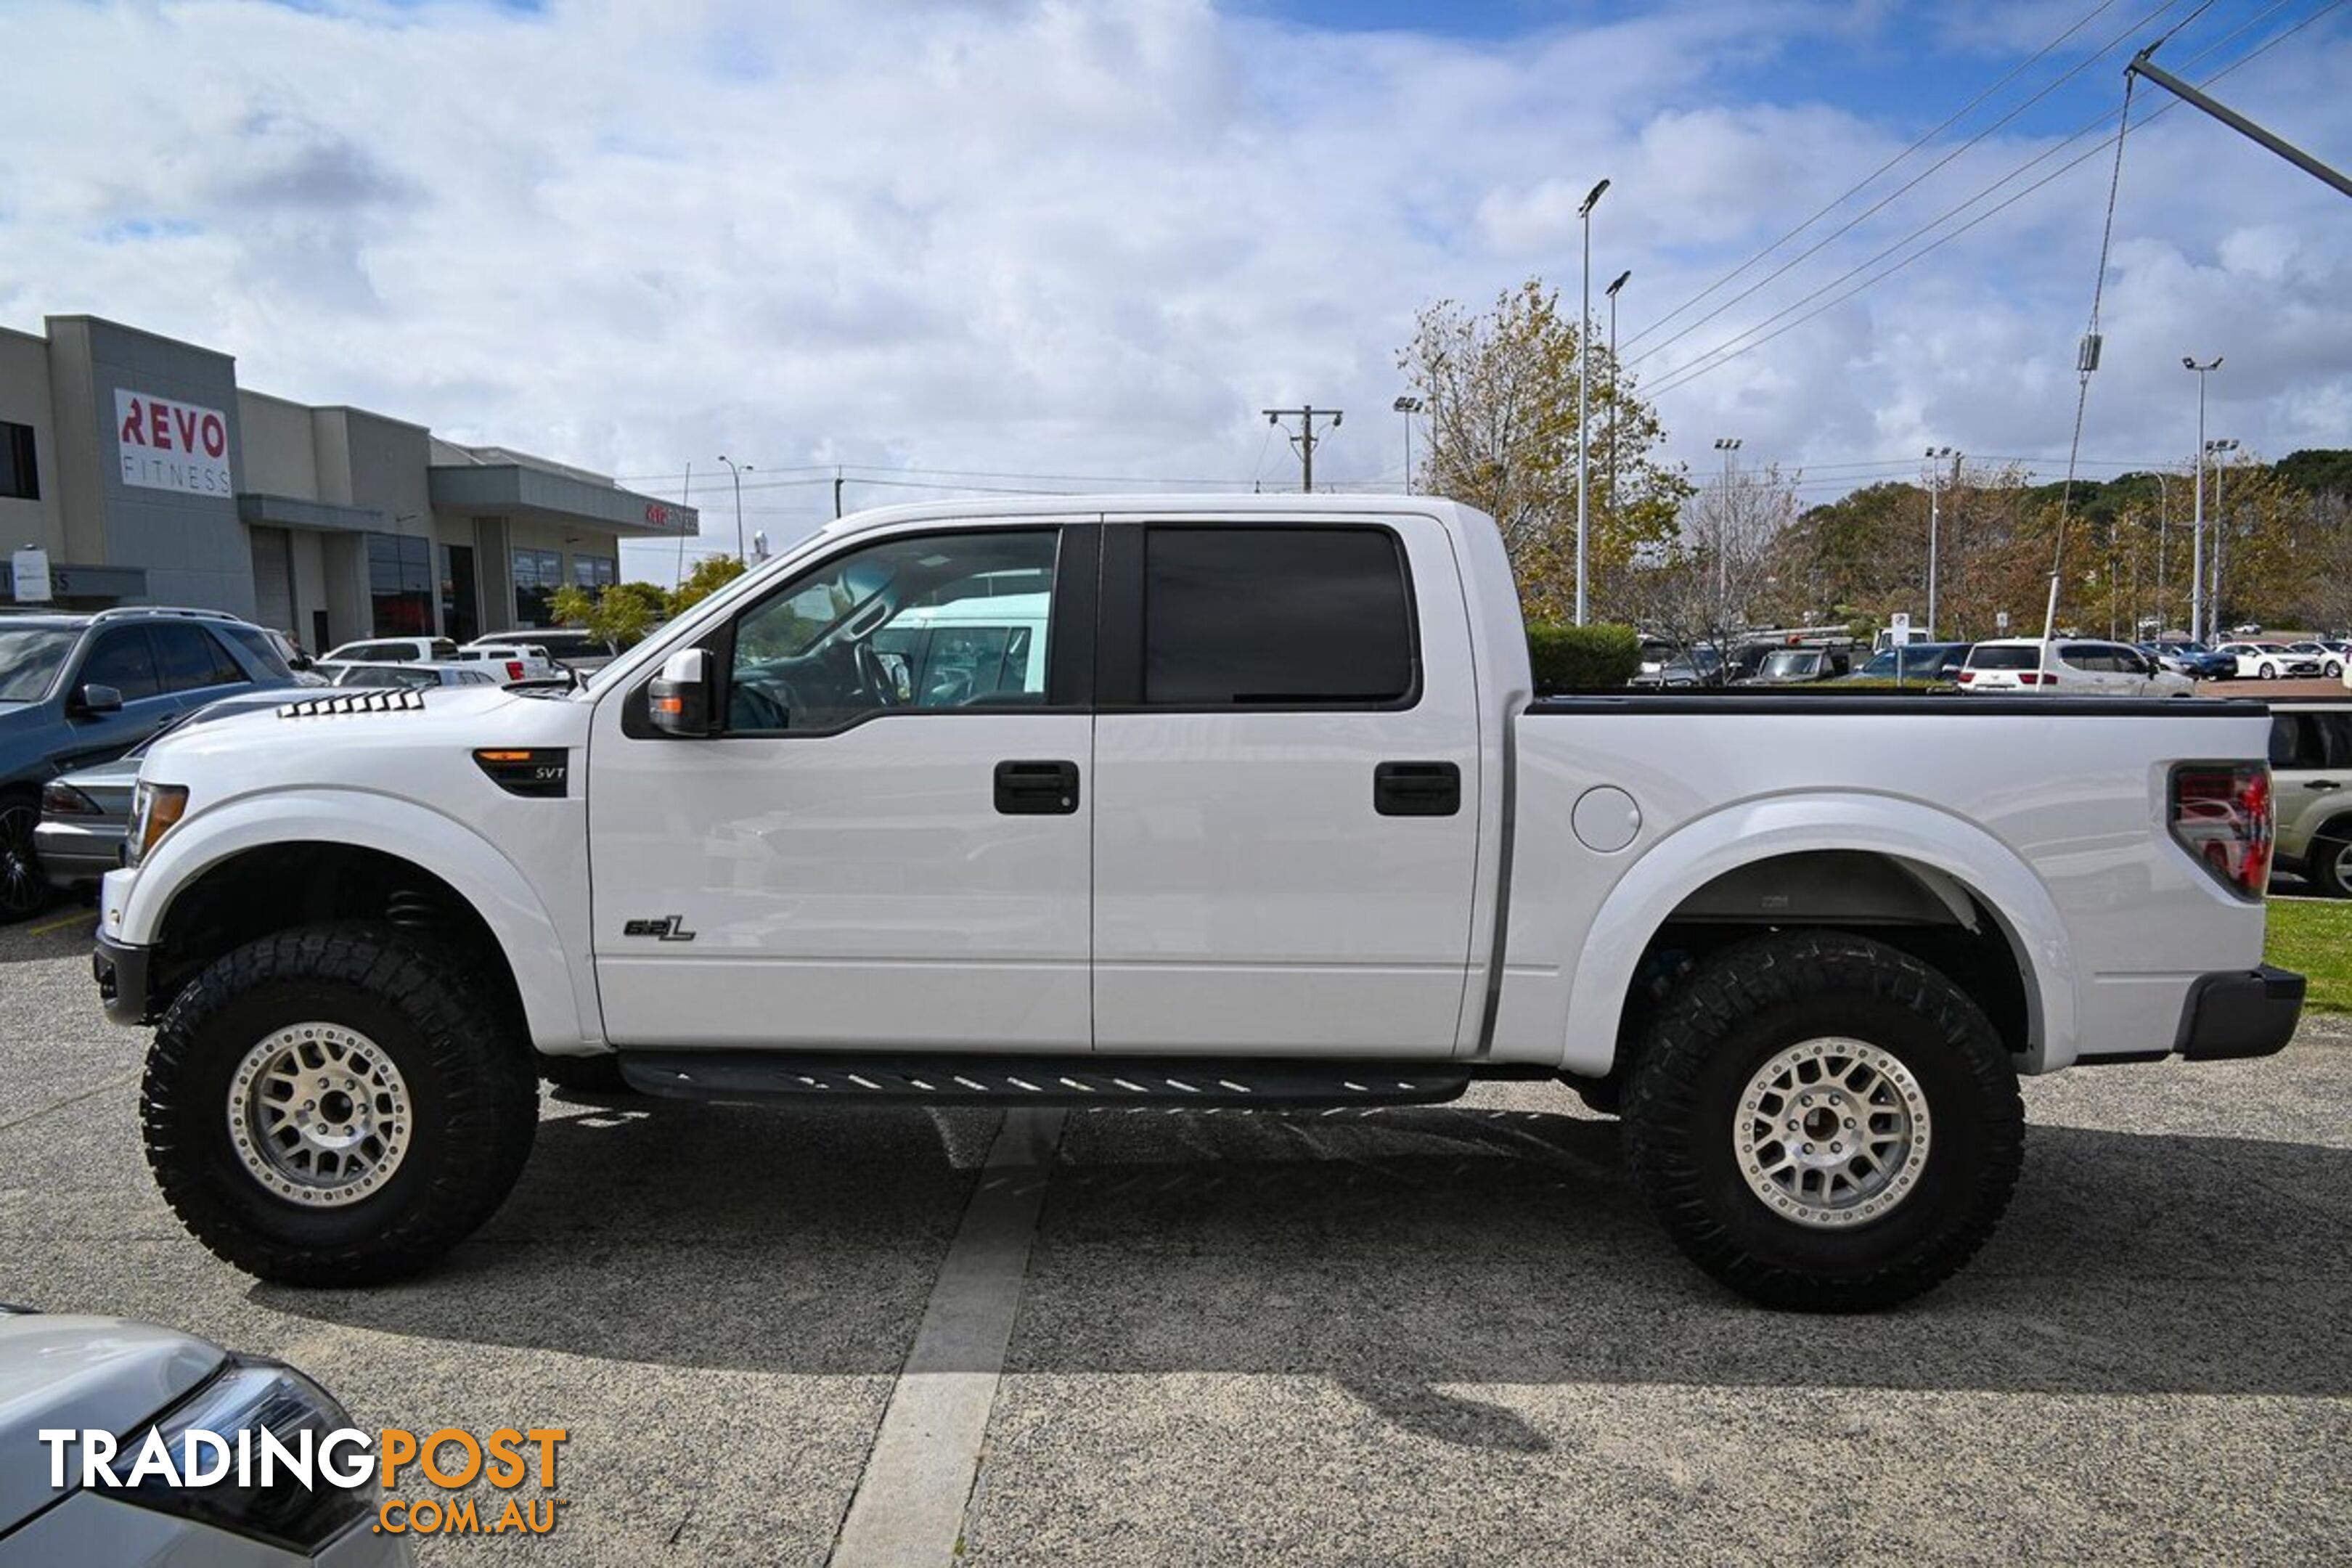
(2294,741)
(2010,656)
(186,657)
(2334,739)
(1239,616)
(2087,656)
(930,621)
(121,660)
(20,476)
(30,657)
(260,647)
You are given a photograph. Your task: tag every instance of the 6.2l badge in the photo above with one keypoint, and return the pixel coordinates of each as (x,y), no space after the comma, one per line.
(670,928)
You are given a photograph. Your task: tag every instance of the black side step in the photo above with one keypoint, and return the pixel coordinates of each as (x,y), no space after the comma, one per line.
(1036,1080)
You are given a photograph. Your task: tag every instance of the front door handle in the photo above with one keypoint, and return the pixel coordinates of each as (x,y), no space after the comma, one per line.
(1036,789)
(1417,789)
(2319,784)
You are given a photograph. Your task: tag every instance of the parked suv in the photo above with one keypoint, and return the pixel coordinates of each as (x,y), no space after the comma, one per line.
(2070,667)
(2311,779)
(77,688)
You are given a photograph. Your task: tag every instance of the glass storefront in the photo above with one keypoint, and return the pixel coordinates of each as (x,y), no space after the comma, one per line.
(400,586)
(538,573)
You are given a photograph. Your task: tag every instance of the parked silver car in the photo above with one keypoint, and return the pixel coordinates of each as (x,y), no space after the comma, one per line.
(128,1379)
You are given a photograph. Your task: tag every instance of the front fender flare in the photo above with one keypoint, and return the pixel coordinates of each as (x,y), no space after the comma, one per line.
(557,1004)
(1748,831)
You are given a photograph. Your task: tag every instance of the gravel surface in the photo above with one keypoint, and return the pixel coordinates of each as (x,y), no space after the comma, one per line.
(1434,1335)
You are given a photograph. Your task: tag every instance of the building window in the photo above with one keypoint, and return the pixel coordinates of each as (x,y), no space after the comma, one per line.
(538,573)
(20,476)
(400,584)
(594,572)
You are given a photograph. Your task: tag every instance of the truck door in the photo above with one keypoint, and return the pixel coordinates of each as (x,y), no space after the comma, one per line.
(886,846)
(1285,788)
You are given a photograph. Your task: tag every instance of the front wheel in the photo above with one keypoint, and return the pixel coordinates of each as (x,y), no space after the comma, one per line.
(2267,671)
(2331,859)
(332,1106)
(1824,1123)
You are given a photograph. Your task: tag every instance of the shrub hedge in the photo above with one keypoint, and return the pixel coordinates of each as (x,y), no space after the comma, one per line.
(1571,658)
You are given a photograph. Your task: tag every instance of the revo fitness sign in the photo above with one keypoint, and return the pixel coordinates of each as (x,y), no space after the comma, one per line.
(169,446)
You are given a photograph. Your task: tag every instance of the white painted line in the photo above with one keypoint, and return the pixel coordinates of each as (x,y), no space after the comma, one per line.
(909,1505)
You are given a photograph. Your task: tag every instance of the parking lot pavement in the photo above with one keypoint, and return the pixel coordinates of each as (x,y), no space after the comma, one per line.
(2269,690)
(1429,1335)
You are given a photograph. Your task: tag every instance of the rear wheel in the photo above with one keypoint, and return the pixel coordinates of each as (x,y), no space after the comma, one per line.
(23,886)
(1824,1122)
(333,1106)
(2267,670)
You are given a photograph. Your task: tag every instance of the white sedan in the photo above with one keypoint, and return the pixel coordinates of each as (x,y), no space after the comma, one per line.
(2269,661)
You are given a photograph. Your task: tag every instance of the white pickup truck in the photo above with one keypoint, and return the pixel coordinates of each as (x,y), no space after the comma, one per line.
(1223,801)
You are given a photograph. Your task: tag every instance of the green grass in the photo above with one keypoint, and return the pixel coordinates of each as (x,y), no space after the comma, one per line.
(2315,939)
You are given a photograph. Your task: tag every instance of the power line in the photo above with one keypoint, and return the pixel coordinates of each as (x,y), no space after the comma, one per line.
(1733,347)
(1863,216)
(1865,182)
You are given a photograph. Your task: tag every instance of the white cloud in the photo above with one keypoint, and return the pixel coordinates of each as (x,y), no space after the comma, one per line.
(1095,238)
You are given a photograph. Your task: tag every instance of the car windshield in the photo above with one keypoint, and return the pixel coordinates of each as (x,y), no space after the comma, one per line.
(2009,656)
(30,657)
(1791,662)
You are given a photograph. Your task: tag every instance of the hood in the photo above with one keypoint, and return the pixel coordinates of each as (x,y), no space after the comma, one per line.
(110,1372)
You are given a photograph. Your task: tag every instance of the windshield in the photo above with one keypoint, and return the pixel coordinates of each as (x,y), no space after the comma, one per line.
(30,657)
(1791,663)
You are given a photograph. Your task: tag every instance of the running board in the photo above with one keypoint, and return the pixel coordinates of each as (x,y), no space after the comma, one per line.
(1037,1080)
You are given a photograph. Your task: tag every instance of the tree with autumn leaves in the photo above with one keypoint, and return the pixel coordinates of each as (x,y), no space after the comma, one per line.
(1499,389)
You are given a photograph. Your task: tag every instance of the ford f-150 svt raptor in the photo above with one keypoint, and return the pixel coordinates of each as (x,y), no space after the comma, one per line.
(1241,802)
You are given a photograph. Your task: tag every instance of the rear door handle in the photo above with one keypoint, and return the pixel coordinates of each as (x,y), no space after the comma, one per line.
(2319,784)
(1417,789)
(1036,788)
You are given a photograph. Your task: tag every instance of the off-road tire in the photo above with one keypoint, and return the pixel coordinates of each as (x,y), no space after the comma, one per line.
(1601,1096)
(585,1075)
(1733,1014)
(475,1103)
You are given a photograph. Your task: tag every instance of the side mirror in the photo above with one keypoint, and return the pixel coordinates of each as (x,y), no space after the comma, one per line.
(301,661)
(96,698)
(678,698)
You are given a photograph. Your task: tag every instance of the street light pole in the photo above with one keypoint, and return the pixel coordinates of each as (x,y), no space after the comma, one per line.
(1934,522)
(1408,405)
(2217,452)
(2196,630)
(1615,392)
(1726,445)
(738,474)
(1584,404)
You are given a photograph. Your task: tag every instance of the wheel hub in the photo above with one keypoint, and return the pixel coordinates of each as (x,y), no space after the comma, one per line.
(1831,1133)
(319,1114)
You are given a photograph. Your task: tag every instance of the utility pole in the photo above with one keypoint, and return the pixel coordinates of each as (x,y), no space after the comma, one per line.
(738,474)
(2197,632)
(2142,66)
(836,493)
(1306,440)
(1937,454)
(2163,529)
(2217,452)
(685,499)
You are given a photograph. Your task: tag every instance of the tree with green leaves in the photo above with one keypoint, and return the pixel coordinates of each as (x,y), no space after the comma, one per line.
(1501,390)
(711,573)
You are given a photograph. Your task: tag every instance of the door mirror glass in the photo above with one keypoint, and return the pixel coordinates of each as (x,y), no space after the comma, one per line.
(678,698)
(95,698)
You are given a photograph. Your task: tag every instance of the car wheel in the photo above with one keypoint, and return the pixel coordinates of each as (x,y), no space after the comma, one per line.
(1824,1123)
(330,1106)
(2331,858)
(23,886)
(2335,667)
(2267,671)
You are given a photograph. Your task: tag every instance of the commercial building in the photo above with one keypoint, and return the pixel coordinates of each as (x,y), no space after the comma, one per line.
(148,476)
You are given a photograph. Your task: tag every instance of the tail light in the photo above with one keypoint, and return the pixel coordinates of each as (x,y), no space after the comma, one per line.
(514,670)
(1966,676)
(2222,815)
(2035,678)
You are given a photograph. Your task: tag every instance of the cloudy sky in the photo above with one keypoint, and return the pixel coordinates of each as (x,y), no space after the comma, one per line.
(1053,245)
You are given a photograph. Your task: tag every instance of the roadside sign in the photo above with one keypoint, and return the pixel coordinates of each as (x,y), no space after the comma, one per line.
(2000,622)
(1899,626)
(30,569)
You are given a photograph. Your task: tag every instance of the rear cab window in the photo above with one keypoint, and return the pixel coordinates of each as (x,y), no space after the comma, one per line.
(1276,617)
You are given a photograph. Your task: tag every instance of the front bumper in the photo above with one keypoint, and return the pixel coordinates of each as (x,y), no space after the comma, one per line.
(2238,1013)
(121,971)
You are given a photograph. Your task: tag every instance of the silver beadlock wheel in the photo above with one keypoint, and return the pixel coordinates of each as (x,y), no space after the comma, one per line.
(1831,1133)
(319,1115)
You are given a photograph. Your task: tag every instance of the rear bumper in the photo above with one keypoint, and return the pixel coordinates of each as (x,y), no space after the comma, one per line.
(2238,1013)
(121,971)
(73,855)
